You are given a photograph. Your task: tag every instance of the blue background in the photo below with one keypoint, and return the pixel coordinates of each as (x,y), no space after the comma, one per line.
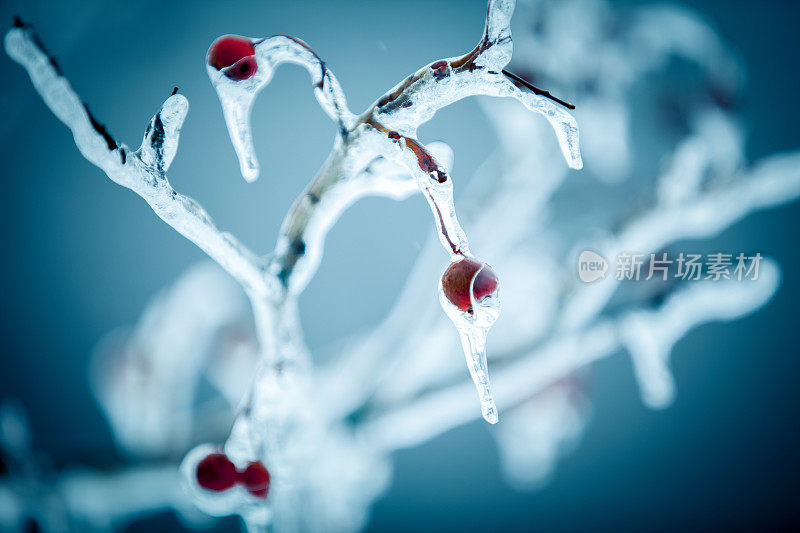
(82,256)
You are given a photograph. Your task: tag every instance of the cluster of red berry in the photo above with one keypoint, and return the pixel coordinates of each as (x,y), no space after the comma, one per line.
(217,473)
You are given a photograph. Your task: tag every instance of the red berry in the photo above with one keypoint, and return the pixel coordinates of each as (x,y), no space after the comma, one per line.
(393,135)
(255,478)
(216,472)
(235,54)
(457,278)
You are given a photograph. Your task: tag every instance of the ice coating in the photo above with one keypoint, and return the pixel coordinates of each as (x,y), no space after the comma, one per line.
(220,503)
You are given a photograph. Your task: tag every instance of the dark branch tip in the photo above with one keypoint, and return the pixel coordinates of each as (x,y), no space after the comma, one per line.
(540,92)
(174,91)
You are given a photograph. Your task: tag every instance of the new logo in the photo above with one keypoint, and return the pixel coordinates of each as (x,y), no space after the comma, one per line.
(591,266)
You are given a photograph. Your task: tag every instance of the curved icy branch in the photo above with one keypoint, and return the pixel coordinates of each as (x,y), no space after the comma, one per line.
(237,96)
(143,171)
(416,99)
(347,176)
(285,48)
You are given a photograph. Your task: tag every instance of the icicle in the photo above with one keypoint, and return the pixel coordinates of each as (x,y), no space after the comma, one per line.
(237,100)
(474,313)
(473,327)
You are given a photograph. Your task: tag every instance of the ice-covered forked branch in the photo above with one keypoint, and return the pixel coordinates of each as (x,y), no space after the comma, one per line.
(143,171)
(240,67)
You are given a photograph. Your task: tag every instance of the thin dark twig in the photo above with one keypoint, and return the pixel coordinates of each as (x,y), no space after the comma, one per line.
(536,90)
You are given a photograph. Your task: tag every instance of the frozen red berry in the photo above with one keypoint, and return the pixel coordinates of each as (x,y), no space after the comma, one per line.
(255,478)
(458,277)
(234,55)
(216,472)
(393,135)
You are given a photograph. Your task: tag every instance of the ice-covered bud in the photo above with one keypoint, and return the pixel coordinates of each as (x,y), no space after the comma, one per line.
(255,479)
(441,69)
(234,56)
(466,274)
(216,472)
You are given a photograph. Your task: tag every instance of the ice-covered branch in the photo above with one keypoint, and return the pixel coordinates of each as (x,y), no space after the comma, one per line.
(326,436)
(415,100)
(343,180)
(143,171)
(240,67)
